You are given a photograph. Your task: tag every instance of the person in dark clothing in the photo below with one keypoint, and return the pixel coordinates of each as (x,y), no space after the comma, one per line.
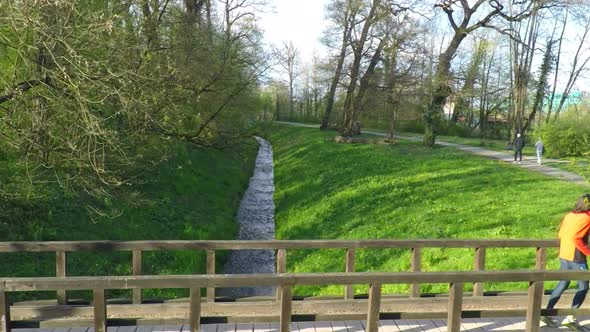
(518,145)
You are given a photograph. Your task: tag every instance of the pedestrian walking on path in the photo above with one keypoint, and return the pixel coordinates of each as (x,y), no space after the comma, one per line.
(540,148)
(518,145)
(573,249)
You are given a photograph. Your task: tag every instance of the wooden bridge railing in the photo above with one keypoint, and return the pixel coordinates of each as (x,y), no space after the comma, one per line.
(281,247)
(286,282)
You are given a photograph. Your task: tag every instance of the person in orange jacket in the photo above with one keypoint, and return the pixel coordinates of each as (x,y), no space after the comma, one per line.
(573,249)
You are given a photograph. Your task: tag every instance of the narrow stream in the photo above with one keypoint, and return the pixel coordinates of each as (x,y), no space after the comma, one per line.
(256,222)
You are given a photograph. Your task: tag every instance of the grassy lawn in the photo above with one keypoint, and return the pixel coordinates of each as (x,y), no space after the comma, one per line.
(326,190)
(579,166)
(193,195)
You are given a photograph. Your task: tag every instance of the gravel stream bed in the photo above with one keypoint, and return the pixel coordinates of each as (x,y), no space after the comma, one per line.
(256,221)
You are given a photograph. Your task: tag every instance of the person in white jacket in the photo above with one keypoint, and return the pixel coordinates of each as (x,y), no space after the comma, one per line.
(539,147)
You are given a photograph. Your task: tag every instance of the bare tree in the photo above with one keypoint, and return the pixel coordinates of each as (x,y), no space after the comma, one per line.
(461,29)
(288,60)
(344,14)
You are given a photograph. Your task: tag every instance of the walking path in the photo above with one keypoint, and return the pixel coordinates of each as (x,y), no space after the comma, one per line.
(529,163)
(256,221)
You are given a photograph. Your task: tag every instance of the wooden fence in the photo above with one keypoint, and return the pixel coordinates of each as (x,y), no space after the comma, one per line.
(286,282)
(61,248)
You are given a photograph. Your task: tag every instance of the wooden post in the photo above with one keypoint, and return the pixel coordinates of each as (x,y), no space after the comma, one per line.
(374,306)
(349,289)
(455,304)
(479,265)
(100,310)
(60,271)
(541,258)
(533,312)
(285,308)
(416,267)
(137,272)
(4,312)
(281,267)
(195,309)
(210,270)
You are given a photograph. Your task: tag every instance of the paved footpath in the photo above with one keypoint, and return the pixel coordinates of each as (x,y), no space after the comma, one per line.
(528,162)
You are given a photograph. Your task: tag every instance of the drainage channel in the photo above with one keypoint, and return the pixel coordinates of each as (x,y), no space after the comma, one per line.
(256,221)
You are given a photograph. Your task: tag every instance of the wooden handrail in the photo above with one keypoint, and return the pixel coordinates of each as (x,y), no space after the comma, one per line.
(282,279)
(56,246)
(287,281)
(136,247)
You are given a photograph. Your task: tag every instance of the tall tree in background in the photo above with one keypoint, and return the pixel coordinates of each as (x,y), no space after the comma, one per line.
(348,116)
(288,60)
(343,13)
(488,11)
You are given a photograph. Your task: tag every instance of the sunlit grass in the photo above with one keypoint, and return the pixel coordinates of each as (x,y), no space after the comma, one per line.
(326,190)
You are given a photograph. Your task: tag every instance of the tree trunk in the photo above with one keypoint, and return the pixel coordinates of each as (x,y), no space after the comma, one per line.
(338,72)
(442,88)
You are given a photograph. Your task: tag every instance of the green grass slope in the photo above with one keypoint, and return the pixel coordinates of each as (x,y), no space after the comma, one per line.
(326,190)
(193,195)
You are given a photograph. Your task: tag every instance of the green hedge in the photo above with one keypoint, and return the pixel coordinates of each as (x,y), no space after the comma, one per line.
(566,138)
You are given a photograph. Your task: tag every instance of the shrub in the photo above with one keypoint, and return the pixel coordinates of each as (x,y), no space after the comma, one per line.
(567,137)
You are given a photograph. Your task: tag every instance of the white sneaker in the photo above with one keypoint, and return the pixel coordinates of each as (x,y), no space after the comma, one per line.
(568,319)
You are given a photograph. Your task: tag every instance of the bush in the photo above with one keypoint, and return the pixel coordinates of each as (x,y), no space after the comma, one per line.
(566,138)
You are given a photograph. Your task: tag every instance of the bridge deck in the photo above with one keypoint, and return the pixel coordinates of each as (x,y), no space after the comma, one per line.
(406,325)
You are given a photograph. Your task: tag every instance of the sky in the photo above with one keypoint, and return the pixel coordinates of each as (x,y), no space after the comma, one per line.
(303,21)
(300,21)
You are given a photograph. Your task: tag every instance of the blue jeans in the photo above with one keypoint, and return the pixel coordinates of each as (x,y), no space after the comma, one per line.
(564,284)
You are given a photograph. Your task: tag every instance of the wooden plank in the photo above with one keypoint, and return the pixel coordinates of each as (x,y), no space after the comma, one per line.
(471,324)
(281,268)
(373,309)
(5,324)
(60,272)
(204,327)
(275,327)
(428,326)
(339,326)
(350,267)
(541,258)
(210,271)
(305,327)
(440,325)
(323,327)
(388,325)
(144,328)
(100,310)
(269,279)
(260,327)
(195,309)
(286,303)
(229,327)
(85,329)
(244,327)
(408,325)
(166,328)
(136,265)
(455,305)
(533,312)
(121,329)
(53,246)
(355,326)
(479,265)
(416,265)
